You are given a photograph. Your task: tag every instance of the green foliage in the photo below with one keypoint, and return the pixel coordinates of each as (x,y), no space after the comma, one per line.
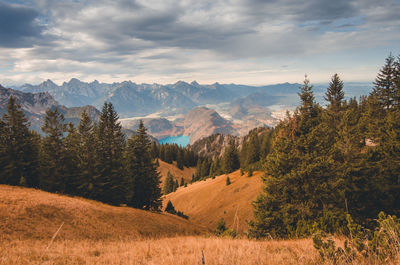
(231,158)
(222,231)
(142,172)
(385,243)
(320,166)
(221,227)
(53,166)
(111,184)
(358,247)
(169,184)
(86,157)
(19,148)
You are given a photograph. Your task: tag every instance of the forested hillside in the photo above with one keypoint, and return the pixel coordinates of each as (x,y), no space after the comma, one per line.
(327,164)
(93,160)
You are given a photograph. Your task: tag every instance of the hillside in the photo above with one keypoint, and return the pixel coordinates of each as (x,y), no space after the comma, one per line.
(186,173)
(33,214)
(205,202)
(35,105)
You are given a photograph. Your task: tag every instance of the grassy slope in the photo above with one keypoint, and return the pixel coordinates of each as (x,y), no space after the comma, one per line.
(205,202)
(33,214)
(186,173)
(166,251)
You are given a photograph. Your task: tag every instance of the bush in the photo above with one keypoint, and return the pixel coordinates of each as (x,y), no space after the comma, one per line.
(228,181)
(221,227)
(359,248)
(223,231)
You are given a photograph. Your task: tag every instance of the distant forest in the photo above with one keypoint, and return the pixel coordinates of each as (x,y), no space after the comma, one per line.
(96,161)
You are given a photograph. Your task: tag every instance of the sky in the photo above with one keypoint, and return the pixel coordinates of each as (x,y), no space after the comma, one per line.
(254,42)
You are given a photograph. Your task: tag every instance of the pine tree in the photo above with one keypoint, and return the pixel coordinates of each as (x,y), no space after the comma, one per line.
(385,82)
(335,95)
(180,159)
(143,172)
(18,148)
(111,183)
(231,158)
(300,173)
(71,151)
(170,208)
(169,184)
(182,182)
(253,149)
(53,153)
(176,185)
(86,156)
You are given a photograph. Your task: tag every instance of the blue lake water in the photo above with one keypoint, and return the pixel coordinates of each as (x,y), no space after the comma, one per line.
(181,140)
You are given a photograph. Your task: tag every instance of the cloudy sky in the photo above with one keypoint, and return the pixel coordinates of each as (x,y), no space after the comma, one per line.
(229,41)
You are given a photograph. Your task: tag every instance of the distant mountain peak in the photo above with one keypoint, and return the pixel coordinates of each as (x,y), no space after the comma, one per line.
(74,81)
(48,82)
(180,82)
(194,83)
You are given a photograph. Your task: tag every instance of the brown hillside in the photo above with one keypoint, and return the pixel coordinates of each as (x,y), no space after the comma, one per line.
(186,173)
(29,213)
(205,202)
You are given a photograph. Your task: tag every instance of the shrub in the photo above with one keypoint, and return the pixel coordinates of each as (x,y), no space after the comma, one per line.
(221,227)
(228,181)
(382,248)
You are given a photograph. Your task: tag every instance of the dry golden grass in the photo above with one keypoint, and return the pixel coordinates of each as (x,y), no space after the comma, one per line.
(205,202)
(167,251)
(33,214)
(186,173)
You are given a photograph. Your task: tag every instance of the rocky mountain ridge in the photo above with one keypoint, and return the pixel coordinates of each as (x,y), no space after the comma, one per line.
(131,99)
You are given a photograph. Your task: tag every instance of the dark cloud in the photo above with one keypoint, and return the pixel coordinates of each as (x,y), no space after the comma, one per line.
(18,26)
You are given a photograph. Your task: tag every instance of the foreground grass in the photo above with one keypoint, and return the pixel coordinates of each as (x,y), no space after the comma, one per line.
(176,250)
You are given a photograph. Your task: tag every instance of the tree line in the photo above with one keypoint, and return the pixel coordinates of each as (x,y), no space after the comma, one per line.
(93,160)
(326,163)
(247,154)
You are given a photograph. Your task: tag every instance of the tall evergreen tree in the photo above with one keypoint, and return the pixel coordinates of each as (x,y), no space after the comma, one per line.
(19,152)
(385,83)
(52,152)
(143,172)
(111,183)
(335,95)
(169,184)
(231,158)
(253,149)
(71,151)
(299,170)
(86,156)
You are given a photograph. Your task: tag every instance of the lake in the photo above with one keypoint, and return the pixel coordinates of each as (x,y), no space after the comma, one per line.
(181,140)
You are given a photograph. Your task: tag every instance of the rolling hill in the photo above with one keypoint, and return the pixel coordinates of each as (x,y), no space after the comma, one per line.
(186,173)
(205,202)
(32,214)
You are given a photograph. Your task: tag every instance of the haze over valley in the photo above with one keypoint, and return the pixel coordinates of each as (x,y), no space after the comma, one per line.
(180,109)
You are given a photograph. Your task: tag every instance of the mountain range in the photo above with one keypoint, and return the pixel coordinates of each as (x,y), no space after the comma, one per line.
(131,99)
(168,110)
